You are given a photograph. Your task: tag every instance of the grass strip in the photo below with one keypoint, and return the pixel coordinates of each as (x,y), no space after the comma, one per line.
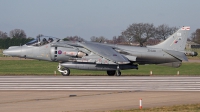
(35,67)
(176,108)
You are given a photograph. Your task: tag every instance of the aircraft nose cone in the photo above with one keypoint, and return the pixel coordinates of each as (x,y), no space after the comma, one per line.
(12,51)
(4,52)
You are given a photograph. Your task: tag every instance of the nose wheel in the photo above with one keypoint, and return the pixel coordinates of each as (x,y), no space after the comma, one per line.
(63,70)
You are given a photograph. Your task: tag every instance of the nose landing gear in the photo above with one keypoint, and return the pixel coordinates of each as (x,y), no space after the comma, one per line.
(63,70)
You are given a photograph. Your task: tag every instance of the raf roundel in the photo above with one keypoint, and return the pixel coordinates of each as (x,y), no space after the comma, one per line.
(59,52)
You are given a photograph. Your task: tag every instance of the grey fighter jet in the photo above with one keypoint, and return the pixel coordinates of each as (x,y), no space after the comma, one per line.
(98,56)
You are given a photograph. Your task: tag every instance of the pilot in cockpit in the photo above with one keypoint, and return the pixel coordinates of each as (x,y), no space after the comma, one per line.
(50,40)
(39,41)
(44,41)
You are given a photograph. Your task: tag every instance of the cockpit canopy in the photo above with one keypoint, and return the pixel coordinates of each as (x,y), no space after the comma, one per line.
(40,41)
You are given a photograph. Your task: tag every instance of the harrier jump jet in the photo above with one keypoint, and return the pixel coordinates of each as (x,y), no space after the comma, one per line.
(107,57)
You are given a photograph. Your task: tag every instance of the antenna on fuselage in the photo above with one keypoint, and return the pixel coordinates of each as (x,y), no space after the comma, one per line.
(100,41)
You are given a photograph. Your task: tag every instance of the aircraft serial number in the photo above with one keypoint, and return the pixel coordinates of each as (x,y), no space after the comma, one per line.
(151,50)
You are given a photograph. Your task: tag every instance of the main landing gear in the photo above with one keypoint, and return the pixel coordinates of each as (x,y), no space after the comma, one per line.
(66,71)
(63,70)
(111,72)
(114,72)
(118,73)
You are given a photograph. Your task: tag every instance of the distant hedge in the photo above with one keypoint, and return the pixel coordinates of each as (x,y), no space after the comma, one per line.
(7,42)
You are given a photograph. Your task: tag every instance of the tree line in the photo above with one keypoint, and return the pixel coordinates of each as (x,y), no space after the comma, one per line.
(145,33)
(16,33)
(195,36)
(16,37)
(7,42)
(141,33)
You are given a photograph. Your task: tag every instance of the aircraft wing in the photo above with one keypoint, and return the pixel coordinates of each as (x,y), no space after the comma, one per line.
(106,52)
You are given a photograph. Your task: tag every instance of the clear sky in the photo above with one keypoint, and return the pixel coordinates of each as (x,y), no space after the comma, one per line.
(87,18)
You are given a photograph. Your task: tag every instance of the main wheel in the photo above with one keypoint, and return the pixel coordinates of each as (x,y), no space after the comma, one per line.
(65,72)
(111,72)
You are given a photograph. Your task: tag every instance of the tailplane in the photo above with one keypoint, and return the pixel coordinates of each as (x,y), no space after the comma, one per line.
(176,41)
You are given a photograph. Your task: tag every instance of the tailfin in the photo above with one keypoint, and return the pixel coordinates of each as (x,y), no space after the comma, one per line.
(176,41)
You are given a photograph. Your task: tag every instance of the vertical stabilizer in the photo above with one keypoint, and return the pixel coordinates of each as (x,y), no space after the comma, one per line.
(176,41)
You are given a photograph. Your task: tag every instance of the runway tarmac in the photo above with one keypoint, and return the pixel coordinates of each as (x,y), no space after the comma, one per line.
(100,93)
(100,83)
